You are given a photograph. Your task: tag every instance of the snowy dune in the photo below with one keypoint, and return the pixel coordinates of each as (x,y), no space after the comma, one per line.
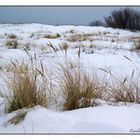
(101,48)
(101,119)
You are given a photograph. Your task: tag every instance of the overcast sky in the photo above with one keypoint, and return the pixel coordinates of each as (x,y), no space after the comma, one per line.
(55,15)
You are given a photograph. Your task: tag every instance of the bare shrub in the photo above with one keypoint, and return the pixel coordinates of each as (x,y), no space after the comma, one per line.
(96,23)
(124,18)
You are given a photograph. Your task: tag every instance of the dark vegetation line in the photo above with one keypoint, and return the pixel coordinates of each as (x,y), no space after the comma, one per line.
(124,18)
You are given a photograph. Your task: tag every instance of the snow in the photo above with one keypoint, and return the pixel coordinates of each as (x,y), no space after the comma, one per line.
(104,48)
(99,119)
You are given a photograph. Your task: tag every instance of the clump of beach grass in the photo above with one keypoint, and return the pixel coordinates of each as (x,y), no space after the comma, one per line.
(27,86)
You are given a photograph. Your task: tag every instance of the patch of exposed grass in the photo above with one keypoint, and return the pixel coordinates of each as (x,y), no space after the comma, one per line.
(64,46)
(11,36)
(17,118)
(79,37)
(52,36)
(137,45)
(74,38)
(12,44)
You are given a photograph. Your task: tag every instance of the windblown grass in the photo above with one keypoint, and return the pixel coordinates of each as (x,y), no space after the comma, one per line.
(123,89)
(78,88)
(126,90)
(27,86)
(30,86)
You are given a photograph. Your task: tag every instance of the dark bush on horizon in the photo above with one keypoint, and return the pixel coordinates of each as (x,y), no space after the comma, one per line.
(96,23)
(124,19)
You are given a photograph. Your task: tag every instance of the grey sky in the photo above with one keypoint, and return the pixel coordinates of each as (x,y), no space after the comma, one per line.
(55,15)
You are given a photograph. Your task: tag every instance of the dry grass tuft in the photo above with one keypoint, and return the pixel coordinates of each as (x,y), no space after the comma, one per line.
(12,44)
(27,46)
(78,88)
(12,36)
(137,45)
(52,36)
(79,37)
(17,118)
(64,46)
(74,38)
(136,41)
(27,87)
(126,90)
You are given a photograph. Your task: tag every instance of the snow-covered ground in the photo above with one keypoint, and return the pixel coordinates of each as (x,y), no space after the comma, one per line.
(101,48)
(100,119)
